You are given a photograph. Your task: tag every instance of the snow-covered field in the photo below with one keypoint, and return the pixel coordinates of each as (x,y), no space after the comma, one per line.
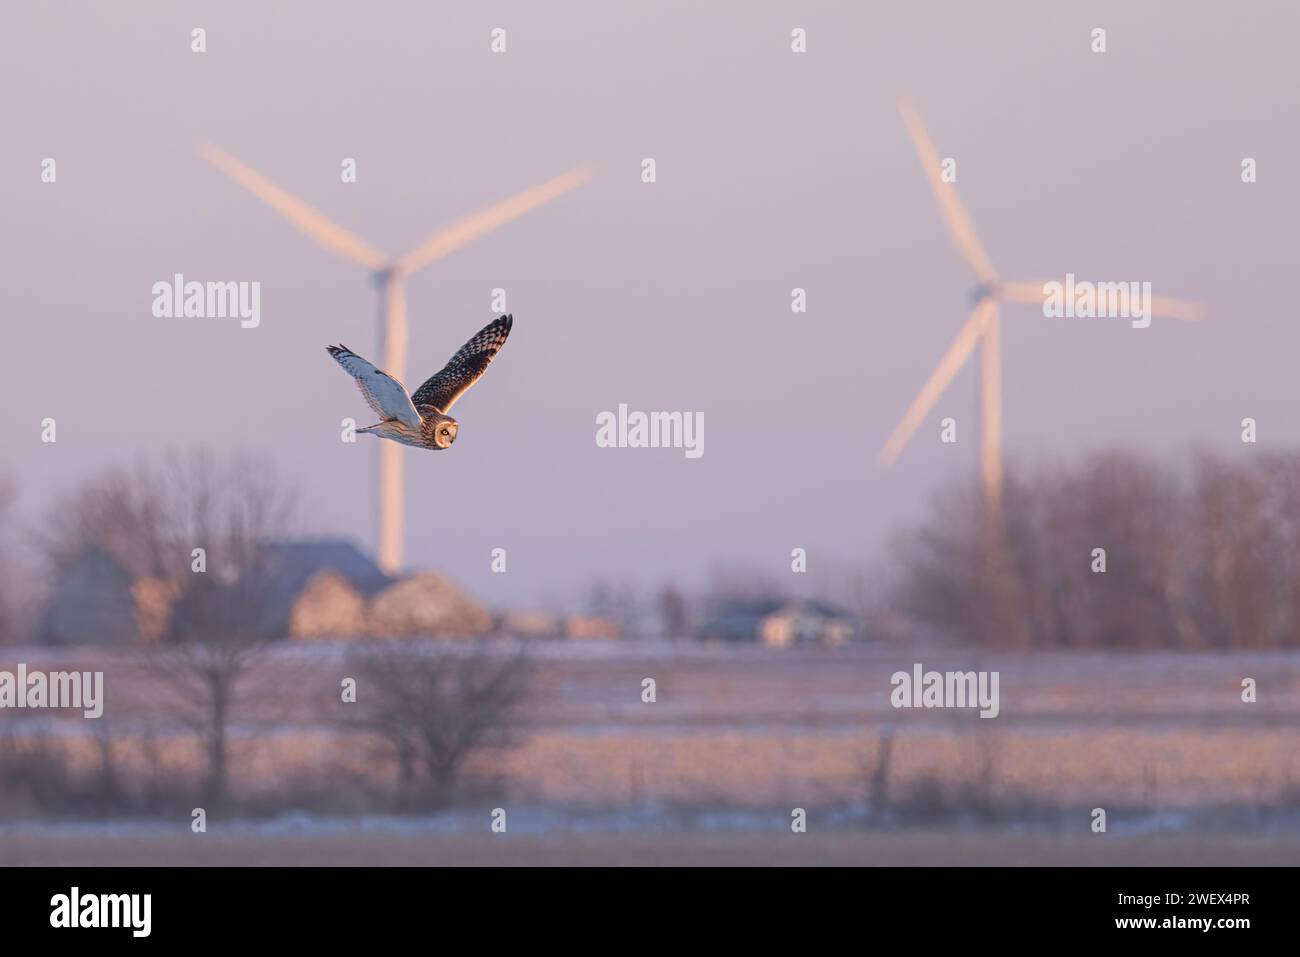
(737,737)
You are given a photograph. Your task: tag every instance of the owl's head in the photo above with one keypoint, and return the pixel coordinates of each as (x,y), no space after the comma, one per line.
(444,432)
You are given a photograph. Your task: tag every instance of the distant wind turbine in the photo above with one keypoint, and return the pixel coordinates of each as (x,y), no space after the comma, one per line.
(982,328)
(388,275)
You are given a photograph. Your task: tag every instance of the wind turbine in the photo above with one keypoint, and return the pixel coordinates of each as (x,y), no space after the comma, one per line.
(982,328)
(388,275)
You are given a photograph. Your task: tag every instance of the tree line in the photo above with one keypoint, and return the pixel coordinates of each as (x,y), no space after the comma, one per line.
(1114,551)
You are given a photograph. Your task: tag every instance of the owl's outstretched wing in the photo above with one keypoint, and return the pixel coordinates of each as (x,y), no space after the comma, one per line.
(464,368)
(383,393)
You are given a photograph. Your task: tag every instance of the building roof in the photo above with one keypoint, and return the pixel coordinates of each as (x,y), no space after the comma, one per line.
(741,618)
(293,564)
(94,599)
(813,606)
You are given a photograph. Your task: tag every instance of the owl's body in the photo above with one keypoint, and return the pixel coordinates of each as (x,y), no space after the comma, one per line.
(421,420)
(433,426)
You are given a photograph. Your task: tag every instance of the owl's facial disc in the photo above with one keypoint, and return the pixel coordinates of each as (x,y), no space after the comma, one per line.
(445,434)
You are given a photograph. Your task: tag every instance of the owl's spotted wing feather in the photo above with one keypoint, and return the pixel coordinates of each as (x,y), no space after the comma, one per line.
(465,367)
(383,393)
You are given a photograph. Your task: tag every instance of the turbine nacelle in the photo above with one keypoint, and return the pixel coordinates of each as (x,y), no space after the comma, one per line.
(982,328)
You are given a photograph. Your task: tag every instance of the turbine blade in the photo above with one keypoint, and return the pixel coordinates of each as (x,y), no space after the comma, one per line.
(954,214)
(1177,308)
(948,367)
(333,237)
(465,231)
(1032,293)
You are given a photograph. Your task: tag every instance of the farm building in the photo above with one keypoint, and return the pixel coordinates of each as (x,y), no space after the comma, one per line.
(806,622)
(92,603)
(307,590)
(154,598)
(586,626)
(329,589)
(319,589)
(426,604)
(530,624)
(779,623)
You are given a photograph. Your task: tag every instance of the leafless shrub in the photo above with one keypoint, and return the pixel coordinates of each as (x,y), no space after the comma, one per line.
(433,709)
(876,773)
(38,773)
(35,773)
(982,758)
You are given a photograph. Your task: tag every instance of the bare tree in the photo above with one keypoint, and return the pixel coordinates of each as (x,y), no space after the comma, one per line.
(620,604)
(8,609)
(1281,476)
(433,708)
(222,620)
(940,558)
(150,517)
(857,587)
(196,527)
(205,685)
(215,642)
(674,617)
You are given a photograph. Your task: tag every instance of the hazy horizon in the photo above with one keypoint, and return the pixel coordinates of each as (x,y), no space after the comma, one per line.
(775,170)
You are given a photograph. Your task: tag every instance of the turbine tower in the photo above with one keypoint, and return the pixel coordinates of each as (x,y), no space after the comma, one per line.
(982,328)
(389,275)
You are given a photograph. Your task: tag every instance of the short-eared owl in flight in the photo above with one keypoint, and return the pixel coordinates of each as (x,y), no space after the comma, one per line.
(422,420)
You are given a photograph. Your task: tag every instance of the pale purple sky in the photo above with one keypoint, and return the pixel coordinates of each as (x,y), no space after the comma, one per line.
(775,170)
